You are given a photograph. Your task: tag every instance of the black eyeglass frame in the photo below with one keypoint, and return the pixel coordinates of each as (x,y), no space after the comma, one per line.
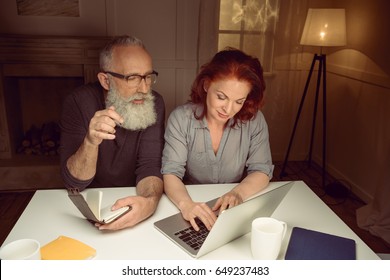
(126,77)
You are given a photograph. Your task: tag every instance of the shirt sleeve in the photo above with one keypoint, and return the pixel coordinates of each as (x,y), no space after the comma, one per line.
(176,148)
(260,158)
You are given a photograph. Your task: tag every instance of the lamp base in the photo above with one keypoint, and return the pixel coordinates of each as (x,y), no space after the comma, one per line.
(336,190)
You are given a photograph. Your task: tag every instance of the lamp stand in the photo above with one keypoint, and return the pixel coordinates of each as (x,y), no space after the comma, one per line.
(321,58)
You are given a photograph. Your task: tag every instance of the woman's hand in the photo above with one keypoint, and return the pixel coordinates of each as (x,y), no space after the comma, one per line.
(228,200)
(192,210)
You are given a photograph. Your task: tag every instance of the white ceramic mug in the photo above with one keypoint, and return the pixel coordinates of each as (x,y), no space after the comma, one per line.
(266,239)
(22,249)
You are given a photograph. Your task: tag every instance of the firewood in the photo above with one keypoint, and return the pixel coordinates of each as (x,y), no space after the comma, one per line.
(44,141)
(50,132)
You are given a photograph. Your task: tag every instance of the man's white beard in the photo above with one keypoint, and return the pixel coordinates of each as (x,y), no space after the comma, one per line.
(136,116)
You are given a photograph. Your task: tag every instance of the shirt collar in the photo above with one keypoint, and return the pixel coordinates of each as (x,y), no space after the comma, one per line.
(203,123)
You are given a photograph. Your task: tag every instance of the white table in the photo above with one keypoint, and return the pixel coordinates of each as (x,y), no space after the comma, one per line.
(50,214)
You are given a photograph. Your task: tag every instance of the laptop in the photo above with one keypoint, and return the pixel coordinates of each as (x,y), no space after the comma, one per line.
(230,224)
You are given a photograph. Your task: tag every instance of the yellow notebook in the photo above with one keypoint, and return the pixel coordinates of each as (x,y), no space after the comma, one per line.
(66,248)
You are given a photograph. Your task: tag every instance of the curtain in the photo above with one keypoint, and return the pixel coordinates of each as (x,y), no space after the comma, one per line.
(208,30)
(375,216)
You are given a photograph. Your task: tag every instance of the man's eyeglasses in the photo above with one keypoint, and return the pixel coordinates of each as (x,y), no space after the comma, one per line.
(134,80)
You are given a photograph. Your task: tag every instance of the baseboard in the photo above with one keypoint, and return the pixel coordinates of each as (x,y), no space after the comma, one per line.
(339,176)
(30,178)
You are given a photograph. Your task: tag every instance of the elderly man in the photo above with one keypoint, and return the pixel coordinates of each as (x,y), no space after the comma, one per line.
(112,131)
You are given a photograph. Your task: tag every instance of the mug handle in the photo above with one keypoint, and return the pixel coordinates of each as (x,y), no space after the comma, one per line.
(284,229)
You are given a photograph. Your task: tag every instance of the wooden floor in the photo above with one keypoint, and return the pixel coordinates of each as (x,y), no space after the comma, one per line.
(12,204)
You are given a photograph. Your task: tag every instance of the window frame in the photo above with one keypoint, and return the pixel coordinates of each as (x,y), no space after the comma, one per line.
(268,36)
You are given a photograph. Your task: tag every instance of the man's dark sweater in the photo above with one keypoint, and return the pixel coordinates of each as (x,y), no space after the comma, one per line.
(124,161)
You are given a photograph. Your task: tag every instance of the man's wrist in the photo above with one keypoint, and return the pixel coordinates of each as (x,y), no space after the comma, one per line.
(88,143)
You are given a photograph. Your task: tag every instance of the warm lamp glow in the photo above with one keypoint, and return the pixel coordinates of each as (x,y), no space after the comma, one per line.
(324,28)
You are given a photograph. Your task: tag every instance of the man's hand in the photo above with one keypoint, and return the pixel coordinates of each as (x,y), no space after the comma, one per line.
(141,209)
(149,192)
(82,164)
(102,126)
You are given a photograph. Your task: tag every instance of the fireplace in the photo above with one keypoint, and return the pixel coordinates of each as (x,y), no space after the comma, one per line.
(36,73)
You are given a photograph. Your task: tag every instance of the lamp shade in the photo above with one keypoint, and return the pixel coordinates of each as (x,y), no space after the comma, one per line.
(325,28)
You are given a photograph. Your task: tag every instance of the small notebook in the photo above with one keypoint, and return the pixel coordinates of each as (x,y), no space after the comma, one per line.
(308,244)
(92,209)
(66,248)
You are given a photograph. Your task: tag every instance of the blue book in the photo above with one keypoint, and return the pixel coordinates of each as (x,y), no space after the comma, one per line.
(308,244)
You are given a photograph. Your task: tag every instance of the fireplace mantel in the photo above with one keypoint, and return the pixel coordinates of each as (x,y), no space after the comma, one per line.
(35,57)
(39,55)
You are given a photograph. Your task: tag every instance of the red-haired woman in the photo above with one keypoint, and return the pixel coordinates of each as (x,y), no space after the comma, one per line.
(220,136)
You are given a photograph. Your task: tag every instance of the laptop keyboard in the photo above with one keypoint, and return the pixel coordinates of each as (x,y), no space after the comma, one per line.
(192,237)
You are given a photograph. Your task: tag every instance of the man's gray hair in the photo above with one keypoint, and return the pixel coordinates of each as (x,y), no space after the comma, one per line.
(105,57)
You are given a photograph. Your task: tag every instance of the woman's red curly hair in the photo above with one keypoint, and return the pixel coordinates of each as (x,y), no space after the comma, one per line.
(226,64)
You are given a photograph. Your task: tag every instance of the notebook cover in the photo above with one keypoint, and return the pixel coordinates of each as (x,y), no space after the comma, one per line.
(81,204)
(66,248)
(308,244)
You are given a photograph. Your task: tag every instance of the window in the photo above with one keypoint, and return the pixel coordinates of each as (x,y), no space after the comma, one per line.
(249,25)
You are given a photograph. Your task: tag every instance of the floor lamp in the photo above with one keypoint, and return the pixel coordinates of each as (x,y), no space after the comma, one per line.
(323,28)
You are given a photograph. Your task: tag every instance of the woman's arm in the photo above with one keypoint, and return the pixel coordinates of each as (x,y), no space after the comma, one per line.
(251,184)
(177,193)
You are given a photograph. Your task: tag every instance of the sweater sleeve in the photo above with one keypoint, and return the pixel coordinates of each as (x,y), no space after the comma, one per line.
(78,108)
(151,145)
